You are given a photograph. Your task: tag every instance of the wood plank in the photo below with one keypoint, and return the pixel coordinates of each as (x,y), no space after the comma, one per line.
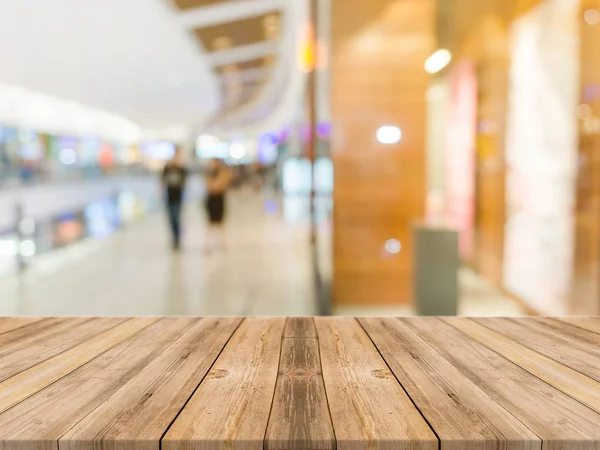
(462,415)
(34,379)
(22,355)
(39,421)
(541,339)
(143,408)
(559,420)
(587,323)
(230,409)
(12,323)
(575,336)
(558,375)
(572,333)
(300,417)
(300,327)
(369,409)
(21,336)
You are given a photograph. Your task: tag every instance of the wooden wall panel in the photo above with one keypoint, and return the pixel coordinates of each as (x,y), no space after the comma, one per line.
(377,78)
(585,297)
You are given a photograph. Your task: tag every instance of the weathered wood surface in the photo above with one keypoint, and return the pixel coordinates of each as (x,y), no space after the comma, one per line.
(299,384)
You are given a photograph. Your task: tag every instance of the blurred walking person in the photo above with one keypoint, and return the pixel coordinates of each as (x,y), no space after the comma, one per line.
(218,181)
(174,177)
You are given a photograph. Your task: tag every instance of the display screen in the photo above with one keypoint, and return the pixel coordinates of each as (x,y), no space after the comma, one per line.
(158,151)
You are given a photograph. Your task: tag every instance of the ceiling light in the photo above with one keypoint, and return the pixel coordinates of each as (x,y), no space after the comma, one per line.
(393,246)
(592,16)
(438,61)
(389,135)
(237,151)
(67,156)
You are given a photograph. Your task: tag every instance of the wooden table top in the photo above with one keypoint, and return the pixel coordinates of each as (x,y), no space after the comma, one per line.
(299,383)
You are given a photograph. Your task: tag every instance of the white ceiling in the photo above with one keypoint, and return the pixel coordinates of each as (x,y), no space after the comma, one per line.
(134,58)
(129,57)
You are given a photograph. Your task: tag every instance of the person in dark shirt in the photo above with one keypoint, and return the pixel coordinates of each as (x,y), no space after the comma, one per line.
(174,178)
(218,181)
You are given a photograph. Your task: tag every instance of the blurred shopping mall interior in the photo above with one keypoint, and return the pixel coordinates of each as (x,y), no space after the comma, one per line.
(388,157)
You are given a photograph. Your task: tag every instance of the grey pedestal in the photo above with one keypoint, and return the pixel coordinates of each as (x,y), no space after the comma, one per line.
(436,270)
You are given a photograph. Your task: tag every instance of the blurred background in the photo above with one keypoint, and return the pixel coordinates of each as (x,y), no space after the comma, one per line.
(387,157)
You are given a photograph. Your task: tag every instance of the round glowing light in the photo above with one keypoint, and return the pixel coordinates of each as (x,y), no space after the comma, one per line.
(584,111)
(438,61)
(67,156)
(592,16)
(389,135)
(393,246)
(27,226)
(27,248)
(237,151)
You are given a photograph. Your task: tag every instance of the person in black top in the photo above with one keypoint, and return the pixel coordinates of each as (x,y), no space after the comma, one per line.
(174,177)
(218,181)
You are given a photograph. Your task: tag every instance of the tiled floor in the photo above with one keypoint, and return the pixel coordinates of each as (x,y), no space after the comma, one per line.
(477,298)
(264,270)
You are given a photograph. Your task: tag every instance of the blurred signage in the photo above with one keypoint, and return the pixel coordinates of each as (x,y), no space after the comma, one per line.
(68,229)
(461,154)
(102,218)
(158,151)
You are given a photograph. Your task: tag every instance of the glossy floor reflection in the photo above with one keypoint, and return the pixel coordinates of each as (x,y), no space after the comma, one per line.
(265,269)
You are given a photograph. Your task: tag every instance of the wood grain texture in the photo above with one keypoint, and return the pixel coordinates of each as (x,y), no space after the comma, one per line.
(23,354)
(451,403)
(587,323)
(369,409)
(142,409)
(574,353)
(300,327)
(230,409)
(558,375)
(12,323)
(300,417)
(34,379)
(301,384)
(36,423)
(22,336)
(573,334)
(559,420)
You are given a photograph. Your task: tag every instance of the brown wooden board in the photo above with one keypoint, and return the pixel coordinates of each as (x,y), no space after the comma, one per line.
(462,415)
(369,408)
(12,323)
(143,408)
(587,323)
(231,407)
(23,354)
(546,341)
(36,378)
(558,419)
(299,417)
(39,421)
(563,378)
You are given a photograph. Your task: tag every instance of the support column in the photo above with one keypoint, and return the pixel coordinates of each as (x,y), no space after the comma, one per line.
(378,51)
